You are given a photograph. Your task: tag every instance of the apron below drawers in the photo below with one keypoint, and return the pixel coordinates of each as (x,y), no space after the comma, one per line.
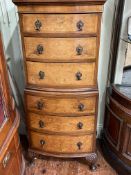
(62,75)
(56,124)
(60,143)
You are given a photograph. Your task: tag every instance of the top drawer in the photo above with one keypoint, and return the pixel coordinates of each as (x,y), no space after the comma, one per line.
(60,23)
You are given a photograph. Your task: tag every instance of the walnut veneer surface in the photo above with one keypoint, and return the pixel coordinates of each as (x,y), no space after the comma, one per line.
(117,128)
(60,46)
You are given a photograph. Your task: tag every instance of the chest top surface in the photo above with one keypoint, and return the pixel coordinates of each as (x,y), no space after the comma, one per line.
(18,2)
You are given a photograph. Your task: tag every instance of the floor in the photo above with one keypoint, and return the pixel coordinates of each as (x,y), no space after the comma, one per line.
(54,166)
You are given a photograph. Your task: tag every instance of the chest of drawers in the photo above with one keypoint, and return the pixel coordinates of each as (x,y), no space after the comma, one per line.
(60,46)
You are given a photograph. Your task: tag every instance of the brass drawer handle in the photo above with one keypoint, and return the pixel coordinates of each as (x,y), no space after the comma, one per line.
(41,124)
(79,50)
(78,75)
(40,49)
(42,75)
(40,105)
(81,107)
(38,25)
(42,142)
(6,159)
(79,144)
(80,25)
(80,125)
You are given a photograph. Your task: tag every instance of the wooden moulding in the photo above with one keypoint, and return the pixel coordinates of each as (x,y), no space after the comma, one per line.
(119,96)
(18,2)
(65,9)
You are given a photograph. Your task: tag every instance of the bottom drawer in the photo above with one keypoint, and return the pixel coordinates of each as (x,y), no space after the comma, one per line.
(61,144)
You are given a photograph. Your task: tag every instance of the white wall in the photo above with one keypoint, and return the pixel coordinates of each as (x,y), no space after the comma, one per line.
(10,30)
(104,52)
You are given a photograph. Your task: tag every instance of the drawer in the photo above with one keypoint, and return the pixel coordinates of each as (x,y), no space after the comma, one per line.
(75,104)
(8,158)
(60,23)
(60,49)
(58,124)
(61,75)
(61,144)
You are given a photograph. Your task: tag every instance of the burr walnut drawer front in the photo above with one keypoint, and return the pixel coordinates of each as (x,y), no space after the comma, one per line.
(60,23)
(61,124)
(61,104)
(60,49)
(61,143)
(61,75)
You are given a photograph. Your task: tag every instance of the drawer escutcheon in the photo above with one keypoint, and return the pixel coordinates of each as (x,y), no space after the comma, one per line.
(41,124)
(40,49)
(78,75)
(79,50)
(42,142)
(38,25)
(80,125)
(42,75)
(40,105)
(79,144)
(80,25)
(81,107)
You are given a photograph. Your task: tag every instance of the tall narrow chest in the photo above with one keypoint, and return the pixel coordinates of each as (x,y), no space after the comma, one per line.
(60,41)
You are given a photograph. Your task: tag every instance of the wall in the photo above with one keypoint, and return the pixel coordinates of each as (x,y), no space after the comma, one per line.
(10,30)
(104,54)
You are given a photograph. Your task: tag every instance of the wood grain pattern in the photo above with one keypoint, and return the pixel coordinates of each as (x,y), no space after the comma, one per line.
(60,49)
(11,150)
(60,9)
(113,121)
(117,129)
(60,23)
(63,104)
(58,80)
(56,124)
(51,166)
(61,144)
(61,75)
(126,151)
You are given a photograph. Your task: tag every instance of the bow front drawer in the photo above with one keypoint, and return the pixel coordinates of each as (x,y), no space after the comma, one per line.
(75,104)
(59,124)
(61,144)
(60,49)
(60,23)
(61,75)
